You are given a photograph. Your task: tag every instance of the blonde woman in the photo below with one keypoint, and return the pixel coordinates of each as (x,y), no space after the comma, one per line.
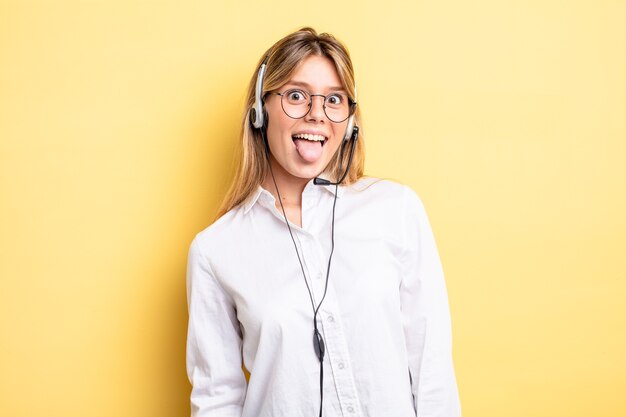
(324,284)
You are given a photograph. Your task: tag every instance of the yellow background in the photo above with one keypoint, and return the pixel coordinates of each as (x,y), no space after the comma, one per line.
(117,130)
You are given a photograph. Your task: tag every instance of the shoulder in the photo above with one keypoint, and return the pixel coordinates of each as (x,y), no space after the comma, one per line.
(221,233)
(386,205)
(383,190)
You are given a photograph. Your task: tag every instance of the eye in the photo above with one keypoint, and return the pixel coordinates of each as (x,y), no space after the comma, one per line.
(335,100)
(296,96)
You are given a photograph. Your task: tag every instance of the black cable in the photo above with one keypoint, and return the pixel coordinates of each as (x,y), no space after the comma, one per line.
(317,338)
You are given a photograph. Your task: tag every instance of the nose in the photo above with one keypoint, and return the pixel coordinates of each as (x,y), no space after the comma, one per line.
(316,112)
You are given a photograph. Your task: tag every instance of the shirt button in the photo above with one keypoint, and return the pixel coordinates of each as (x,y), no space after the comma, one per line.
(341,366)
(331,319)
(319,275)
(350,409)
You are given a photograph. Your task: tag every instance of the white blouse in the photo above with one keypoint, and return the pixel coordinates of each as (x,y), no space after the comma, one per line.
(385,319)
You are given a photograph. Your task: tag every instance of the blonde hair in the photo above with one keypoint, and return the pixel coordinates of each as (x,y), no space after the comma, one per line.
(282,60)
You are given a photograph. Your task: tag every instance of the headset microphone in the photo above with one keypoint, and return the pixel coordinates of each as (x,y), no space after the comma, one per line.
(351,135)
(353,139)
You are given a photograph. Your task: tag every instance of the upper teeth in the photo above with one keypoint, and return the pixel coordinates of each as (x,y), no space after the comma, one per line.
(307,136)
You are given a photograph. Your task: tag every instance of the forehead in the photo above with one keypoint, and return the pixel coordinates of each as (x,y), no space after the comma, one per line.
(317,73)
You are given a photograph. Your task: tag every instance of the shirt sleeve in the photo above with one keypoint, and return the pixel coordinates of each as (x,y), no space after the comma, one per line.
(426,317)
(213,343)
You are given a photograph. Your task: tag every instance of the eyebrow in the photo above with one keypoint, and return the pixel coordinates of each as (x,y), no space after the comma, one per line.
(307,85)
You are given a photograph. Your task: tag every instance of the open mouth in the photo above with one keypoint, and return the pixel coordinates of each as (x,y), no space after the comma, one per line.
(310,137)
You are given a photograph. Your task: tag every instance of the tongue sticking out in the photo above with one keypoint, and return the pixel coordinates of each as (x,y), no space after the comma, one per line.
(309,150)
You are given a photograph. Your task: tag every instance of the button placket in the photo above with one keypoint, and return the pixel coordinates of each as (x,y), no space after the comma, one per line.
(307,255)
(338,358)
(316,260)
(310,206)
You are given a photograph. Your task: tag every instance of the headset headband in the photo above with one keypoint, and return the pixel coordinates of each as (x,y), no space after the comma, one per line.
(257,114)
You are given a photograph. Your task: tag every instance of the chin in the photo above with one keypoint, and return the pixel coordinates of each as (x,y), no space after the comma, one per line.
(307,172)
(303,169)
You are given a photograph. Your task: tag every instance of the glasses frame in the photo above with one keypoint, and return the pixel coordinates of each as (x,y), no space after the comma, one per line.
(351,103)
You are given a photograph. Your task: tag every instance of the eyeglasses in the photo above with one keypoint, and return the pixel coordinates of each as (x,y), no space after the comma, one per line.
(297,103)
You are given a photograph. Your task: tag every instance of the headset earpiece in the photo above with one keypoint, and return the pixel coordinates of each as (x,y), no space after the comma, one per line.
(349,129)
(350,126)
(257,112)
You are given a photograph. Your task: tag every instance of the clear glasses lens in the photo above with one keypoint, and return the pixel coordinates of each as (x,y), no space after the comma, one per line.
(297,103)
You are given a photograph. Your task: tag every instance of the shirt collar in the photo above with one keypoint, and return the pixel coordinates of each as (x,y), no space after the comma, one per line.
(261,192)
(252,199)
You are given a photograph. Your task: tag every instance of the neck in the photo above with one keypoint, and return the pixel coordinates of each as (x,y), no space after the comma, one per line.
(290,187)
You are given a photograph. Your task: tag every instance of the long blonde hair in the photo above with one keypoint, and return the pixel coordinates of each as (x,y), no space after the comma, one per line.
(282,59)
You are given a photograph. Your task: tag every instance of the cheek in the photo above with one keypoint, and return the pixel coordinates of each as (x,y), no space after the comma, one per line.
(338,133)
(278,127)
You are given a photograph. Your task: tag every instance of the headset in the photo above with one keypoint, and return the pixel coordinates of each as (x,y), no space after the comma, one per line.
(258,119)
(258,116)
